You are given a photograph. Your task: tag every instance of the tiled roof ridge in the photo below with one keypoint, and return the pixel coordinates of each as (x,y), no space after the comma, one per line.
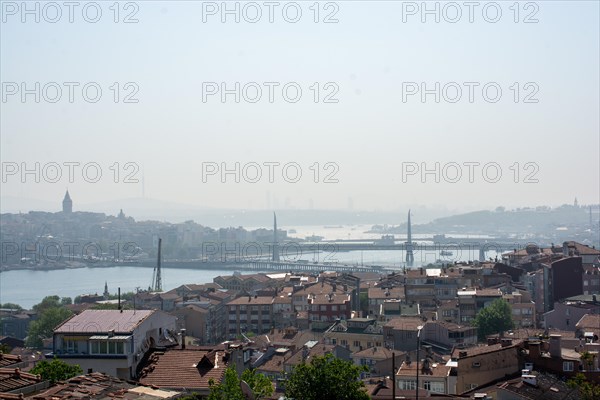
(17,373)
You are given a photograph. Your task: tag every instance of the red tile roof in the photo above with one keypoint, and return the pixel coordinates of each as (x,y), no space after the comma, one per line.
(437,370)
(6,360)
(477,350)
(13,379)
(99,386)
(374,353)
(589,321)
(190,368)
(251,300)
(93,321)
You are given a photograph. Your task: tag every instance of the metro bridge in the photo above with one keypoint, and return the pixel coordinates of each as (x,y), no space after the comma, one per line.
(482,246)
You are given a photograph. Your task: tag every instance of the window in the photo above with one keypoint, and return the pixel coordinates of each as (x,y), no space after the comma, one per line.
(437,387)
(70,346)
(333,308)
(356,343)
(108,347)
(567,366)
(407,384)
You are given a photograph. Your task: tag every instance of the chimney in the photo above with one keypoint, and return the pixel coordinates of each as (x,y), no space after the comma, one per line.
(421,270)
(565,249)
(528,377)
(427,349)
(535,350)
(119,300)
(554,346)
(182,339)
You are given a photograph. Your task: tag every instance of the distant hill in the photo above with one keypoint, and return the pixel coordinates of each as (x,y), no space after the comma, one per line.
(538,220)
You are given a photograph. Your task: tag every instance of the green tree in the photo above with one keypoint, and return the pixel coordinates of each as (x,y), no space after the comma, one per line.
(495,318)
(261,385)
(11,306)
(191,396)
(587,359)
(326,378)
(50,313)
(364,302)
(587,390)
(230,388)
(56,370)
(46,303)
(65,301)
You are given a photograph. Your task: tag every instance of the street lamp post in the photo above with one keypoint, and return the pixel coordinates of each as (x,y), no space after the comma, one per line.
(418,346)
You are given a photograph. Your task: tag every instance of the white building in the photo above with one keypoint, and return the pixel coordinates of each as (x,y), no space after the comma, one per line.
(112,341)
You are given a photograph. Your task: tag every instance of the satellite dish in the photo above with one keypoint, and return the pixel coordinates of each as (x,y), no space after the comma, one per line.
(248,393)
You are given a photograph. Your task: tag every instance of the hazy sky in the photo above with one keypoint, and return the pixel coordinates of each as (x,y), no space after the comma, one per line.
(374,61)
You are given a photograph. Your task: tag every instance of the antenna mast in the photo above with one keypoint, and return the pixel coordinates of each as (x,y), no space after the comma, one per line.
(156,278)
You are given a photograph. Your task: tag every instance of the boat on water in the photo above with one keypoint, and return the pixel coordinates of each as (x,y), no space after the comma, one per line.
(386,239)
(314,238)
(446,253)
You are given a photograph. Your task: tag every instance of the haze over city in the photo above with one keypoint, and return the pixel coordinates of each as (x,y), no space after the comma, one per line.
(367,131)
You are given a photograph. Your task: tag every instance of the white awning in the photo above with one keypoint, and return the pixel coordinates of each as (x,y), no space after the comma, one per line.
(106,337)
(99,337)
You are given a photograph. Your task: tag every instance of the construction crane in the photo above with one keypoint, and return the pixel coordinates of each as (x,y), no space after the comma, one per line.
(156,275)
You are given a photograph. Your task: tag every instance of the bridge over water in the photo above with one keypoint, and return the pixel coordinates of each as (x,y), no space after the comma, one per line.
(480,246)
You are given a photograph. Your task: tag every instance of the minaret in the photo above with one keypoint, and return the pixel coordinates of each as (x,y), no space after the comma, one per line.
(67,204)
(106,294)
(275,241)
(410,258)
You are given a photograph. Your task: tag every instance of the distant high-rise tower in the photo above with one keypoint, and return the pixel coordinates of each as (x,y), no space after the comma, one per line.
(275,241)
(410,258)
(106,294)
(67,204)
